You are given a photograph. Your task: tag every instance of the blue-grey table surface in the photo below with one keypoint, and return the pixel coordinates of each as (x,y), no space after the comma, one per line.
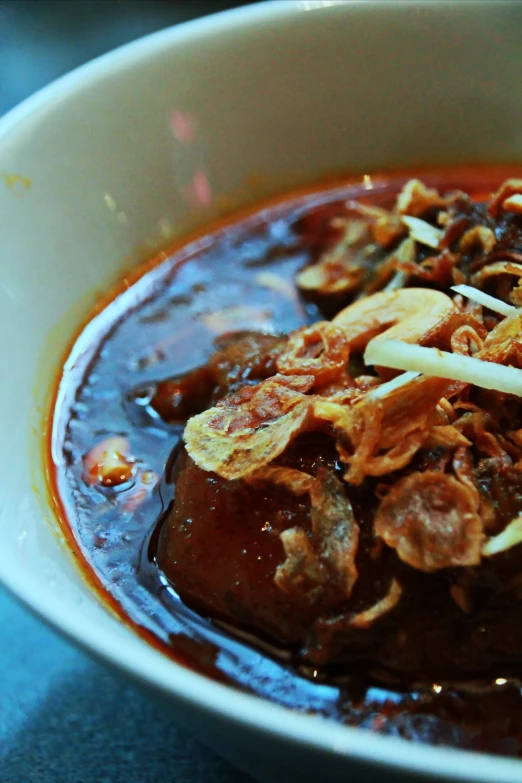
(63,717)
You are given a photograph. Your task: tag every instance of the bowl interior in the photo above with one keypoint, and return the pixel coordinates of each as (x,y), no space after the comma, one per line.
(138,148)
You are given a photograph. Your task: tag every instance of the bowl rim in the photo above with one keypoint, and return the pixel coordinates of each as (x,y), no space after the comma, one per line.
(135,657)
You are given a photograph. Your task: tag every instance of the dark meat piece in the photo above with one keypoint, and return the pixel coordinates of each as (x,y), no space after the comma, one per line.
(243,357)
(240,358)
(176,399)
(220,547)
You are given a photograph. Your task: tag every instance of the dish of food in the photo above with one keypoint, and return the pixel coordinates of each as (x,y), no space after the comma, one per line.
(290,454)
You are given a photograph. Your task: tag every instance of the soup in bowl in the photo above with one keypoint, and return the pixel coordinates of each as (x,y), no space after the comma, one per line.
(266,336)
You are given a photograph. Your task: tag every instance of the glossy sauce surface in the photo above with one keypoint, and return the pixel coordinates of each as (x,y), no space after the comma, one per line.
(239,277)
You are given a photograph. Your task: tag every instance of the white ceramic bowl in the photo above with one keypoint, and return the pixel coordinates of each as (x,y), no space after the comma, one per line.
(91,177)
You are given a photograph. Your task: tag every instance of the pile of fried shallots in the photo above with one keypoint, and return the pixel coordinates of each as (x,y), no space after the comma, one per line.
(434,287)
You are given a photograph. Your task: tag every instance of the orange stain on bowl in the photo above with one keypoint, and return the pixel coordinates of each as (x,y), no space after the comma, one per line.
(16,183)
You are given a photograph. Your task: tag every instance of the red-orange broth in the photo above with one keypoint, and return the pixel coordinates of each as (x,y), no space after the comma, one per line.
(164,325)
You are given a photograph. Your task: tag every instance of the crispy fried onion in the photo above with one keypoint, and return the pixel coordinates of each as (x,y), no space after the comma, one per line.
(321,350)
(513,204)
(392,272)
(416,219)
(378,431)
(293,480)
(302,571)
(339,269)
(477,238)
(508,329)
(466,341)
(375,435)
(442,334)
(322,561)
(327,630)
(502,271)
(463,469)
(366,455)
(481,429)
(508,352)
(432,521)
(439,268)
(386,226)
(380,434)
(445,436)
(496,269)
(415,198)
(335,527)
(406,314)
(368,617)
(249,429)
(509,188)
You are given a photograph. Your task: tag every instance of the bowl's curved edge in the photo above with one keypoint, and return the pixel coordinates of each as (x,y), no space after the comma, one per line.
(148,666)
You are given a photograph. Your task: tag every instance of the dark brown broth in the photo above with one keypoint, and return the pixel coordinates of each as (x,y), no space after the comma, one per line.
(159,328)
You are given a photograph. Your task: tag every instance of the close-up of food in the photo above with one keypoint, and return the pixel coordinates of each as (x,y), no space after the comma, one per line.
(289,453)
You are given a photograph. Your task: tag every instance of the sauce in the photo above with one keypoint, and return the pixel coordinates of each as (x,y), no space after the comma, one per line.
(237,278)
